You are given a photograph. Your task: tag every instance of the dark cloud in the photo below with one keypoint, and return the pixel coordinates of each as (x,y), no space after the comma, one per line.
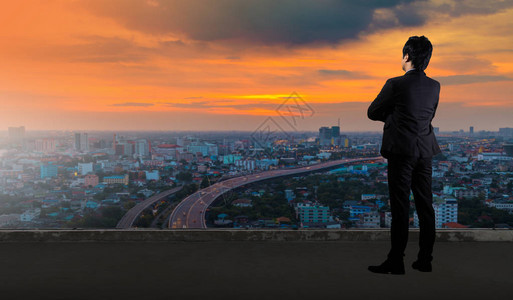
(409,15)
(405,14)
(416,13)
(137,104)
(290,22)
(458,8)
(467,79)
(343,74)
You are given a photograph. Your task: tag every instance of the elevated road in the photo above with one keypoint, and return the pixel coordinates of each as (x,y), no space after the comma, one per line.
(190,213)
(129,218)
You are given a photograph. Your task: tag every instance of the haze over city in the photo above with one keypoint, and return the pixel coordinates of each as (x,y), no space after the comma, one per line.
(224,65)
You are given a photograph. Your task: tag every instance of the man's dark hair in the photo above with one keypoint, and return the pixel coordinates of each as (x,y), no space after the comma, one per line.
(419,51)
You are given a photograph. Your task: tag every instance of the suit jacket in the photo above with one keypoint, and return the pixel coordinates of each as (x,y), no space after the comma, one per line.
(407,104)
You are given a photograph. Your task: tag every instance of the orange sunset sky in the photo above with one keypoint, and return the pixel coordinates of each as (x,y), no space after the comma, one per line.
(228,64)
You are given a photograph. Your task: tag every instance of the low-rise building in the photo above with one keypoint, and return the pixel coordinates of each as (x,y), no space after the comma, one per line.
(91,180)
(242,202)
(30,215)
(122,179)
(369,220)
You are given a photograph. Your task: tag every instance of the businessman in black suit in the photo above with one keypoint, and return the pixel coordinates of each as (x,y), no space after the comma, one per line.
(407,104)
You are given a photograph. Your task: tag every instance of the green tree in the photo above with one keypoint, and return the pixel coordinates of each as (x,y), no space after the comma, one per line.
(184,176)
(205,182)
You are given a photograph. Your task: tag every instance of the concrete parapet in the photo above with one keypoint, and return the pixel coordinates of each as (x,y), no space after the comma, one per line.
(205,235)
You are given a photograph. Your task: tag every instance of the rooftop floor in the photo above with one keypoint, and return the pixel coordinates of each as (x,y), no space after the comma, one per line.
(249,269)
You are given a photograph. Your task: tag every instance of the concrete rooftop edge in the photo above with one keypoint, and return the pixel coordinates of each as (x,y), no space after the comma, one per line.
(209,235)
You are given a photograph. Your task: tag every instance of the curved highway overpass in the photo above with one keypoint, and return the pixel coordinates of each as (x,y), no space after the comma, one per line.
(129,218)
(190,213)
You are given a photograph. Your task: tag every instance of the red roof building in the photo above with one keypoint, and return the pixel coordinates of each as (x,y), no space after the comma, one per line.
(453,225)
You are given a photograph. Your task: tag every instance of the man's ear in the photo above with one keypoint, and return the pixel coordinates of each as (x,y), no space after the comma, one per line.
(407,57)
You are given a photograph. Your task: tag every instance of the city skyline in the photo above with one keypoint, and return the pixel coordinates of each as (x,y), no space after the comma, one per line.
(77,65)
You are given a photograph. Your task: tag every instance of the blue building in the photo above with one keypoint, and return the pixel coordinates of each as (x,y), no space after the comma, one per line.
(48,170)
(312,213)
(356,210)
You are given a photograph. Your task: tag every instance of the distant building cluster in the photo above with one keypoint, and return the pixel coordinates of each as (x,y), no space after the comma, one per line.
(330,136)
(61,177)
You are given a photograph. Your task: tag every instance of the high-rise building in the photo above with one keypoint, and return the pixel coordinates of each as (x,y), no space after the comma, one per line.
(335,135)
(45,145)
(76,145)
(119,149)
(335,131)
(142,147)
(16,134)
(344,141)
(506,131)
(128,148)
(324,136)
(446,210)
(84,142)
(100,144)
(114,143)
(81,142)
(471,130)
(329,136)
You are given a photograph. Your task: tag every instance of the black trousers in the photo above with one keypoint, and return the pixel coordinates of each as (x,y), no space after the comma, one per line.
(405,173)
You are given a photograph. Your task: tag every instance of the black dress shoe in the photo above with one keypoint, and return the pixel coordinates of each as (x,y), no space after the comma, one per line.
(392,267)
(423,266)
